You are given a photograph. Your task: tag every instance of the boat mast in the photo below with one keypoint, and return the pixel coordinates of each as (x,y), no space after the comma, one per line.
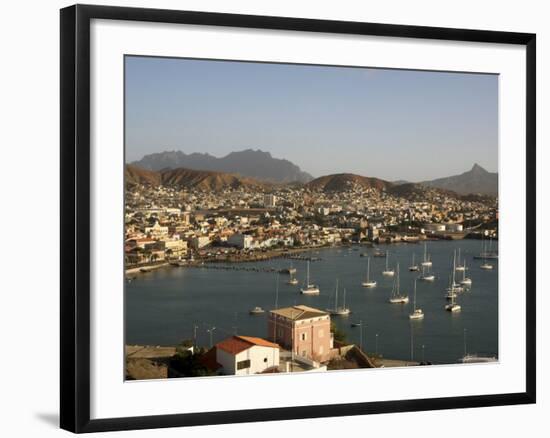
(344,306)
(336,297)
(414,296)
(368,269)
(454,269)
(398,293)
(307,275)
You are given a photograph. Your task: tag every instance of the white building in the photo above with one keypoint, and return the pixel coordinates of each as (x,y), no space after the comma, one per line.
(156,230)
(243,241)
(270,201)
(200,242)
(455,228)
(431,227)
(245,355)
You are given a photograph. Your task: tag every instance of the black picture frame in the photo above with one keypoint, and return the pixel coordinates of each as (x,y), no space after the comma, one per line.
(75,217)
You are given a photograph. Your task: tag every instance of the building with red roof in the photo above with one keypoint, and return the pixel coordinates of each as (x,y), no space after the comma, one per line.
(245,355)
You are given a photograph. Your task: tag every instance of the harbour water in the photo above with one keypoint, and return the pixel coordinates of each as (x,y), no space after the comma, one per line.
(163,307)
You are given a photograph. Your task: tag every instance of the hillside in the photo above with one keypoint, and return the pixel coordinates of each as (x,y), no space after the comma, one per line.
(476,180)
(346,181)
(188,178)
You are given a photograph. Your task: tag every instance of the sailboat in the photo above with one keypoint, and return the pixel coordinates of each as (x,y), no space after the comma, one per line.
(417,313)
(485,265)
(426,262)
(396,296)
(413,267)
(454,287)
(388,272)
(486,253)
(451,292)
(465,280)
(368,282)
(309,288)
(339,310)
(426,274)
(453,306)
(460,267)
(292,280)
(475,358)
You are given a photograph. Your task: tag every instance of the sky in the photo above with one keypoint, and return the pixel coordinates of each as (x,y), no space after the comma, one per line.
(390,124)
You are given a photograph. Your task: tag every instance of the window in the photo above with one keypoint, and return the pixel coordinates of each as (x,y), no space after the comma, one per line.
(243,364)
(265,359)
(303,336)
(320,333)
(321,349)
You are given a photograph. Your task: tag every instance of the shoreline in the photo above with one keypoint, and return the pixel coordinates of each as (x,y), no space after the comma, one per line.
(261,256)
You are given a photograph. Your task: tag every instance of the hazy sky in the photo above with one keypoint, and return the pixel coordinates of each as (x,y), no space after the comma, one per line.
(392,124)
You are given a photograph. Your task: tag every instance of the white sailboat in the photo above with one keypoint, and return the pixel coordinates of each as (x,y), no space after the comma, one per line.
(485,265)
(339,310)
(292,280)
(396,296)
(417,313)
(368,282)
(426,262)
(451,294)
(454,287)
(426,274)
(475,358)
(466,281)
(309,288)
(453,306)
(388,272)
(414,266)
(459,267)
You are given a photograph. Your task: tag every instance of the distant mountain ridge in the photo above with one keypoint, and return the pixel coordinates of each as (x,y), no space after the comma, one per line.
(247,163)
(475,181)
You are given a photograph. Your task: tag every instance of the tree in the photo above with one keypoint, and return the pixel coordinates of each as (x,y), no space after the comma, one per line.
(190,364)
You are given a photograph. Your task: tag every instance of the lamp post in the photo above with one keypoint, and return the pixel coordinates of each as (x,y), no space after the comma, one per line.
(210,331)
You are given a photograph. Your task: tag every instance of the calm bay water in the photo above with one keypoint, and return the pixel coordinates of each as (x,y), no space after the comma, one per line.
(163,306)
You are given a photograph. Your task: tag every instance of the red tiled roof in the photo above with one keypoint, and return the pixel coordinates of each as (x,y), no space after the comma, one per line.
(259,341)
(236,344)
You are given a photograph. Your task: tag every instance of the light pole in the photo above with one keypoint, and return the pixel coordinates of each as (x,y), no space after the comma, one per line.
(210,331)
(376,343)
(361,335)
(195,327)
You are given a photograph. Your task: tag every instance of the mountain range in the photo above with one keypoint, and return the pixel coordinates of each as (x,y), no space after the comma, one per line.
(247,163)
(254,167)
(476,180)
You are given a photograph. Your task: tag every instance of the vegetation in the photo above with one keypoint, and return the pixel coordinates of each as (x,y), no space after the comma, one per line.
(189,364)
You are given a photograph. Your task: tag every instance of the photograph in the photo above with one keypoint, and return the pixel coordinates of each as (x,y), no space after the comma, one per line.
(294,218)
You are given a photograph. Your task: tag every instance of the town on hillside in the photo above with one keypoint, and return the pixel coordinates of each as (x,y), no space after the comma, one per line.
(171,225)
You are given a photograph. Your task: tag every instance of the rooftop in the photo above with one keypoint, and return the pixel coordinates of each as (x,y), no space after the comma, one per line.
(236,344)
(299,312)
